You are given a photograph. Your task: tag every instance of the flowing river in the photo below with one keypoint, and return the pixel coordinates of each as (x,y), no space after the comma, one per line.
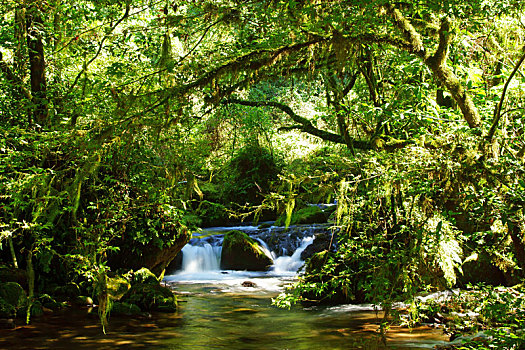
(227,310)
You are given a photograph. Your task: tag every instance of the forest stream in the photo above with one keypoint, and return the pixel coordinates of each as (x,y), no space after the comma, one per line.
(225,310)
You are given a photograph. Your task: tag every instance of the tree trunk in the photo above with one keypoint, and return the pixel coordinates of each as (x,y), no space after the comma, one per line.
(20,54)
(37,66)
(519,247)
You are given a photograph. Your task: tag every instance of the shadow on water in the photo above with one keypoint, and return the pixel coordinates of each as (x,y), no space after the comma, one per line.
(210,318)
(223,310)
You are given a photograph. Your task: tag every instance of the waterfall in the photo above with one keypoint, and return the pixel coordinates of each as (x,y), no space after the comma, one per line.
(287,264)
(265,248)
(200,258)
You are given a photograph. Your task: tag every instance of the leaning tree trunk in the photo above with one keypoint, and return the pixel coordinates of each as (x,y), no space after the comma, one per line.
(37,65)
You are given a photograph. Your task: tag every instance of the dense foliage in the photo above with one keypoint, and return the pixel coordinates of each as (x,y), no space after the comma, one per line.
(125,124)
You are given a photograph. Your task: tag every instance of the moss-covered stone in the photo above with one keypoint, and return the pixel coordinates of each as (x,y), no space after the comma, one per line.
(144,276)
(118,286)
(49,303)
(6,309)
(308,215)
(118,308)
(13,294)
(151,297)
(240,252)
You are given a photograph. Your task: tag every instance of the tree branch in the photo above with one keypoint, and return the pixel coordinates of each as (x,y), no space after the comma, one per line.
(497,110)
(303,123)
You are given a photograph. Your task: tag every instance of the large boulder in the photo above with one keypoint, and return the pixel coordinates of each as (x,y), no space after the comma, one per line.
(150,297)
(481,270)
(322,241)
(240,252)
(13,300)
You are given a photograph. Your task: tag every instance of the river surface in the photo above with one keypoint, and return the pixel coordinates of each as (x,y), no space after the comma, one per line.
(217,312)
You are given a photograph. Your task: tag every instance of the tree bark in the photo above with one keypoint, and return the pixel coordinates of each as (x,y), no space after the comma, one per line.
(20,42)
(519,247)
(438,62)
(37,66)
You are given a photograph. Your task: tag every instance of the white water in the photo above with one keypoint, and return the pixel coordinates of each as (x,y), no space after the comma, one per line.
(201,264)
(200,258)
(290,264)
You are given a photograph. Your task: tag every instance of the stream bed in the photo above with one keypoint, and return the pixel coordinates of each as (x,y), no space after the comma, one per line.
(224,310)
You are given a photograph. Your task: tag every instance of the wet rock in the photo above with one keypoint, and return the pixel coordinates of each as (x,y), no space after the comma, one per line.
(240,252)
(49,303)
(322,241)
(68,292)
(151,297)
(151,256)
(175,264)
(249,284)
(83,300)
(481,270)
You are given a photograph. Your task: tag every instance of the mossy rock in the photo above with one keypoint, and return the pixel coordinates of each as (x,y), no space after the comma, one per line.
(118,308)
(240,252)
(151,297)
(13,294)
(6,309)
(309,215)
(144,276)
(481,270)
(118,286)
(49,303)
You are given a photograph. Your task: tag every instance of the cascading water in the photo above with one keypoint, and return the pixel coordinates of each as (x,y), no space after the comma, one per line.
(290,264)
(200,258)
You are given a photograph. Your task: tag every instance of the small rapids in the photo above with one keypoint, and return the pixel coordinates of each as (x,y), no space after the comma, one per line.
(229,309)
(201,261)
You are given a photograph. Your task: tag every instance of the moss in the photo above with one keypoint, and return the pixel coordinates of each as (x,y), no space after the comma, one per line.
(144,276)
(13,294)
(240,239)
(6,309)
(240,252)
(117,287)
(118,308)
(50,303)
(308,215)
(151,297)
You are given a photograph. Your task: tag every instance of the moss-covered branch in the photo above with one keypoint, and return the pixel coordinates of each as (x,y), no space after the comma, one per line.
(437,62)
